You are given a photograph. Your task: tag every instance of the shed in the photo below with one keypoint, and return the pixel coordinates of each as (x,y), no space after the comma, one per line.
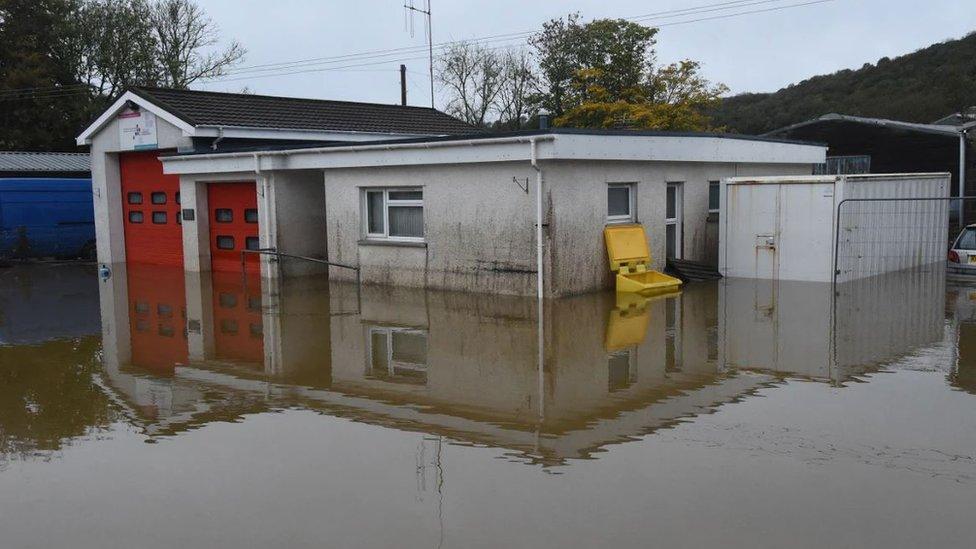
(815,227)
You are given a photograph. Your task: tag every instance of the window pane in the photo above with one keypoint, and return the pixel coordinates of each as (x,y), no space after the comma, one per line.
(135,217)
(227,300)
(967,241)
(224,215)
(378,342)
(251,215)
(159,218)
(407,221)
(225,242)
(135,198)
(177,196)
(158,198)
(228,326)
(618,201)
(670,232)
(671,202)
(374,211)
(406,195)
(410,347)
(713,195)
(251,243)
(179,218)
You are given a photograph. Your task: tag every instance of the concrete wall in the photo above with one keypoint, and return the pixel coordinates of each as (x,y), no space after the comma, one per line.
(479,223)
(106,185)
(300,219)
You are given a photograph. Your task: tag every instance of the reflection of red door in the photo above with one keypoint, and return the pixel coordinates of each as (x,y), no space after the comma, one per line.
(151,210)
(233,225)
(157,317)
(238,328)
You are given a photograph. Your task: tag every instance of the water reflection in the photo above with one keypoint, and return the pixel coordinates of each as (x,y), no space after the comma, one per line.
(49,344)
(464,366)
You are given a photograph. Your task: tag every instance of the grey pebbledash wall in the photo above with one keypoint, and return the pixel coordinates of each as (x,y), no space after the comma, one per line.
(479,225)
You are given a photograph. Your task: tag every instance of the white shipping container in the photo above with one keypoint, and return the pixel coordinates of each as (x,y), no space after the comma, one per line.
(783,228)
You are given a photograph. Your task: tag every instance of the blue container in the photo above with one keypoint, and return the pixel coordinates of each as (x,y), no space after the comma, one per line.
(46,217)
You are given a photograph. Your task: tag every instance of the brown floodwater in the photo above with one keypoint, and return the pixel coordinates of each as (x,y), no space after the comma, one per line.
(157,410)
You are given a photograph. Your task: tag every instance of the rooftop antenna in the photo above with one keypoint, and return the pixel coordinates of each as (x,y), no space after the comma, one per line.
(409,8)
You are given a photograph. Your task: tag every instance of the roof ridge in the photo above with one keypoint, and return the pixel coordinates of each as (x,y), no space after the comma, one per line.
(151,89)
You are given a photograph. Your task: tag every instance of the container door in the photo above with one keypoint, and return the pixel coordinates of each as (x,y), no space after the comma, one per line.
(674,244)
(233,225)
(752,231)
(151,211)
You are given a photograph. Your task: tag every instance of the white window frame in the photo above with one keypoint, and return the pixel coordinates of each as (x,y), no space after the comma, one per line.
(393,365)
(387,204)
(631,206)
(718,184)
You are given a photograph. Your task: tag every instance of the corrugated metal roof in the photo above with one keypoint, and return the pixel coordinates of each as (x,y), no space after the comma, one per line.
(25,161)
(215,109)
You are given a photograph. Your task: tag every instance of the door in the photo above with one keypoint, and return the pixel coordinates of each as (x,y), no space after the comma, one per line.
(151,211)
(233,225)
(674,244)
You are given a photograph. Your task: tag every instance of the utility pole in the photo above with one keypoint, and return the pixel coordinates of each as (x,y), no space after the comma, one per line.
(430,44)
(403,85)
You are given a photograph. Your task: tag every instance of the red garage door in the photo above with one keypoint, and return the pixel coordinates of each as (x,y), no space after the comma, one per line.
(157,317)
(151,210)
(238,329)
(233,225)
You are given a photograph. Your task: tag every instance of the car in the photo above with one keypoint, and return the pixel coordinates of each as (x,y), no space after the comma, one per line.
(962,253)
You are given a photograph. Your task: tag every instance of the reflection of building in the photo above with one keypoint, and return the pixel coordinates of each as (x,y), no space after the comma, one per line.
(458,365)
(961,301)
(796,328)
(44,302)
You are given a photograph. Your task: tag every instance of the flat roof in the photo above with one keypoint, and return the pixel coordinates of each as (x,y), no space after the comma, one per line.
(496,135)
(549,144)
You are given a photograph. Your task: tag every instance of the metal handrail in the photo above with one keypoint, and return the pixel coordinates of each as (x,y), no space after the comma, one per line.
(276,253)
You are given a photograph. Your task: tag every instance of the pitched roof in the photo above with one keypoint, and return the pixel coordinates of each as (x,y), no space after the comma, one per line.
(25,161)
(216,109)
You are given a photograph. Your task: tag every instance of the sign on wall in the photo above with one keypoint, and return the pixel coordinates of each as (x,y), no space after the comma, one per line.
(137,130)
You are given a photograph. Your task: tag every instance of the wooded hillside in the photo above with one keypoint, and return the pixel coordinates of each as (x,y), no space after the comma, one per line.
(919,87)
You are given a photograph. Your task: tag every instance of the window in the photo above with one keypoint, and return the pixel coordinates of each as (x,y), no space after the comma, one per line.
(251,215)
(967,240)
(714,190)
(177,197)
(398,355)
(179,218)
(620,202)
(228,326)
(158,198)
(252,243)
(135,217)
(135,198)
(164,311)
(227,301)
(159,218)
(225,242)
(224,215)
(394,214)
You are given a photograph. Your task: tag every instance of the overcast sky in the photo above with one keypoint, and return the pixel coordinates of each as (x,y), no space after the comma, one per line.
(750,52)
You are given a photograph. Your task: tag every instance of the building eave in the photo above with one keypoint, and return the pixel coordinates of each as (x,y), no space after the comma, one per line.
(551,146)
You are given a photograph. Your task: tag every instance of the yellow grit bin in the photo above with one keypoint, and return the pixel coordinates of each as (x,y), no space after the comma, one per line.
(630,258)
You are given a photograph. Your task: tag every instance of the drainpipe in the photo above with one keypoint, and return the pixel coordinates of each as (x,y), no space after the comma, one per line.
(538,216)
(220,137)
(540,342)
(962,175)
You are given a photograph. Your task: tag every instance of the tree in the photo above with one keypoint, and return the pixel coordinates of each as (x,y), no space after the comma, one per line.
(473,76)
(616,54)
(518,88)
(62,61)
(675,97)
(183,31)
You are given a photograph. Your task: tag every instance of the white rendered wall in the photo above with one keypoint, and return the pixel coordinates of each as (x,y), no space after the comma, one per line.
(106,185)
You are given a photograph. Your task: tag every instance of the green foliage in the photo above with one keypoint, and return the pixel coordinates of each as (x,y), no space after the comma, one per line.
(62,61)
(618,54)
(919,87)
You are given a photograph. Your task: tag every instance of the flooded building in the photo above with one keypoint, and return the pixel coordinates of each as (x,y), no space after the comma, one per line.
(423,207)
